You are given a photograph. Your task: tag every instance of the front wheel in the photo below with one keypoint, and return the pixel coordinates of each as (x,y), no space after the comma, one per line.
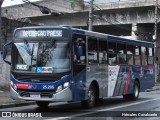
(90,102)
(42,104)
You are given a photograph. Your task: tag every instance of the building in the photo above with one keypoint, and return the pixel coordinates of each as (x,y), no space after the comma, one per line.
(133,18)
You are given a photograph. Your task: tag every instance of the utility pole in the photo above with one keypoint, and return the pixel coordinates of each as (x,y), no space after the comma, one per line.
(90,27)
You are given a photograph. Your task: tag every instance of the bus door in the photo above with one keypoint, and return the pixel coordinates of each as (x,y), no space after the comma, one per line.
(79,67)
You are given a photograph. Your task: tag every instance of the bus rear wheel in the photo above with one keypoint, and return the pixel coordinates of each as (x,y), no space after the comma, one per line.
(90,102)
(42,104)
(135,94)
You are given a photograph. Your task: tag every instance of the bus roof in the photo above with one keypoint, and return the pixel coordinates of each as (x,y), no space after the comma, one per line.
(95,34)
(44,27)
(113,37)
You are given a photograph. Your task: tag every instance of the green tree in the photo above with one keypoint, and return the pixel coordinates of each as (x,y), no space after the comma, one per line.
(73,3)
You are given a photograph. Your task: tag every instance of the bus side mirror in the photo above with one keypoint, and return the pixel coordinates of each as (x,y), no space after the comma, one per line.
(4,52)
(79,50)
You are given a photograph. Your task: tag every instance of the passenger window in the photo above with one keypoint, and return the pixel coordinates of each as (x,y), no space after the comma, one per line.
(121,53)
(144,55)
(150,55)
(112,57)
(79,50)
(102,52)
(130,54)
(92,51)
(137,56)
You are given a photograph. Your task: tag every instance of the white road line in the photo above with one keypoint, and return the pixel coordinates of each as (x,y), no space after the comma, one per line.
(101,110)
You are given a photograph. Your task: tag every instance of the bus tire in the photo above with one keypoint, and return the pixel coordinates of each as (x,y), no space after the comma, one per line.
(135,94)
(42,104)
(90,102)
(126,97)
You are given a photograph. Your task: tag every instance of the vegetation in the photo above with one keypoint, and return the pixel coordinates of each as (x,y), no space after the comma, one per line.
(73,3)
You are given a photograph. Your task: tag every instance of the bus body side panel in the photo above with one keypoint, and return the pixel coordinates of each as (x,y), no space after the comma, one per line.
(144,74)
(122,81)
(147,77)
(104,81)
(94,74)
(78,86)
(126,76)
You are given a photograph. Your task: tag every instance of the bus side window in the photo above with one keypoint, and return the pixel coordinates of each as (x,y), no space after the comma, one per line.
(130,54)
(92,51)
(121,53)
(112,56)
(137,56)
(150,56)
(102,52)
(144,55)
(79,51)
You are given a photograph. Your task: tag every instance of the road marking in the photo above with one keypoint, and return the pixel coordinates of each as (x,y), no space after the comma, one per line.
(101,110)
(1,91)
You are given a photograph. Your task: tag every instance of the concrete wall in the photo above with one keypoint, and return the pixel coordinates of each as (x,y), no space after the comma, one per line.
(4,74)
(124,16)
(28,10)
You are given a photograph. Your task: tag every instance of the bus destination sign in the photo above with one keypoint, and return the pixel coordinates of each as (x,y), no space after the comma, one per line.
(38,33)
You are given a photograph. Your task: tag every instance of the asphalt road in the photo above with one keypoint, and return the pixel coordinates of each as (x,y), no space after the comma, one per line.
(108,109)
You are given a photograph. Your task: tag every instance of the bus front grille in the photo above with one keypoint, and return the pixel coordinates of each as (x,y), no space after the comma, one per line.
(42,94)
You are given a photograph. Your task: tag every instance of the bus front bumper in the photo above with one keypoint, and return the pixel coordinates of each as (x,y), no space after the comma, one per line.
(64,95)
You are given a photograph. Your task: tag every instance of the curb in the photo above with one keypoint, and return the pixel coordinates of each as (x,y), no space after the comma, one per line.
(153,89)
(15,105)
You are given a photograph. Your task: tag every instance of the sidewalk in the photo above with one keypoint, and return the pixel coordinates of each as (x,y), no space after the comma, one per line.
(6,101)
(156,87)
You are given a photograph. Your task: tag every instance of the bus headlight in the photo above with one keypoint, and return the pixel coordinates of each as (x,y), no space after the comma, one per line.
(59,88)
(13,86)
(63,86)
(66,84)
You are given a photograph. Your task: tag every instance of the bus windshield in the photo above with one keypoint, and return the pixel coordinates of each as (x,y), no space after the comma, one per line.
(42,57)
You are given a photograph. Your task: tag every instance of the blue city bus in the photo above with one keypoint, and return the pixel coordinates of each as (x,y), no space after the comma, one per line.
(61,63)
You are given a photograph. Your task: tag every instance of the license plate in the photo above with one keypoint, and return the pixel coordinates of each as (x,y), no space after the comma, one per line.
(35,95)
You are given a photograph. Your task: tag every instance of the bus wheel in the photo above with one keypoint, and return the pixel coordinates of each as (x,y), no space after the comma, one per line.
(135,94)
(90,102)
(126,97)
(42,104)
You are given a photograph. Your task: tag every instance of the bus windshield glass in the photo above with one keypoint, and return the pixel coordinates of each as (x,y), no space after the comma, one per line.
(42,57)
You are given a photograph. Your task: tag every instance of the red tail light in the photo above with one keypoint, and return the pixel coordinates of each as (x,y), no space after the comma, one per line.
(22,86)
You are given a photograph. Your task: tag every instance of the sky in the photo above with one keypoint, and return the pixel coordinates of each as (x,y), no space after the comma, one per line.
(13,2)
